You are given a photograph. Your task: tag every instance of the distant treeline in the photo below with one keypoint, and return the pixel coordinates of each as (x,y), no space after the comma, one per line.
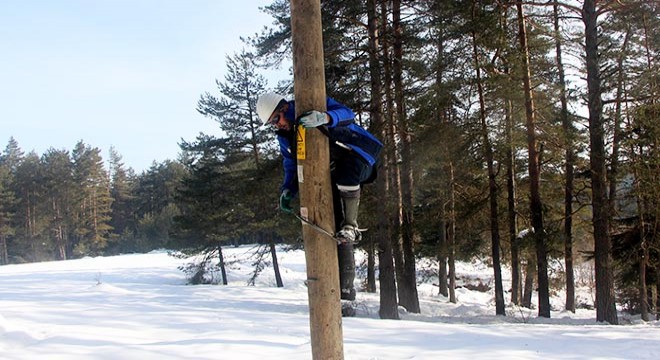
(64,204)
(67,204)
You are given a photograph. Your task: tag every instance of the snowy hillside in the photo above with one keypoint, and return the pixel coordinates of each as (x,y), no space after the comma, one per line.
(139,307)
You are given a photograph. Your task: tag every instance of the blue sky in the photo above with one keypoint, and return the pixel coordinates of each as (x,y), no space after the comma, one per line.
(122,73)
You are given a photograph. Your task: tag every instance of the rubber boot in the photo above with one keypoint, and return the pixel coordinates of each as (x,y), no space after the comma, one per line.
(346,270)
(350,201)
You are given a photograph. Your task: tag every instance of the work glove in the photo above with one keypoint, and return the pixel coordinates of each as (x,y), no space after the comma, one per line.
(285,201)
(312,119)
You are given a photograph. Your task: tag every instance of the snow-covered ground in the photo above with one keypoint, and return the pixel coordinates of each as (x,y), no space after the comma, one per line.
(139,307)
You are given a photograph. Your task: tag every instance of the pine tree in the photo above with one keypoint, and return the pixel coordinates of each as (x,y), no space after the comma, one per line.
(31,224)
(569,143)
(121,190)
(92,201)
(154,205)
(605,303)
(630,100)
(59,194)
(477,13)
(8,161)
(534,171)
(204,201)
(240,160)
(235,110)
(388,292)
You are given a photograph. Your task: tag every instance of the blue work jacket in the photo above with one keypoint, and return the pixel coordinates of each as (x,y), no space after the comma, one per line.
(343,134)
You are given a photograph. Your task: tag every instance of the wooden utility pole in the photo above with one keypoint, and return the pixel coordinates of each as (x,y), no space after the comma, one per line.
(315,187)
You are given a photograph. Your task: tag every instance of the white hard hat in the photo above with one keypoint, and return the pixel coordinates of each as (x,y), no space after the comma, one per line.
(266,104)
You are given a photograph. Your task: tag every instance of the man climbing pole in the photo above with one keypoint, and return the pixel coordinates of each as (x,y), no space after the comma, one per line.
(353,156)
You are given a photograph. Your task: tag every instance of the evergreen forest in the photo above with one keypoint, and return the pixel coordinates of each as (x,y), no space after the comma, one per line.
(524,133)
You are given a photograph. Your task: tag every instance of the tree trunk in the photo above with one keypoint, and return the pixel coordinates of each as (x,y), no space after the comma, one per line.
(276,266)
(388,301)
(389,308)
(32,224)
(643,290)
(567,127)
(492,184)
(451,234)
(411,301)
(643,252)
(516,289)
(371,265)
(653,296)
(446,236)
(614,169)
(510,162)
(605,303)
(530,271)
(442,255)
(394,176)
(58,231)
(534,166)
(221,264)
(653,300)
(61,247)
(656,294)
(4,254)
